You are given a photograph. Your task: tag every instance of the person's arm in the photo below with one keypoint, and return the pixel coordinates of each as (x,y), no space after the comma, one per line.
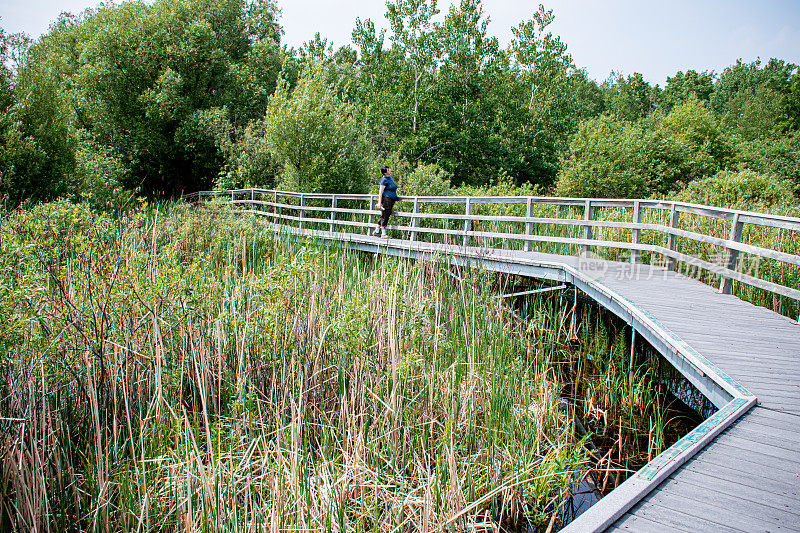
(380,195)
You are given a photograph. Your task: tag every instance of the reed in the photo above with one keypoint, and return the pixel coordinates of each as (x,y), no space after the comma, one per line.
(188,369)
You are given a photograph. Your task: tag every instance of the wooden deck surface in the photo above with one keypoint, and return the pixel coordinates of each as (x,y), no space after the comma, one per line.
(748,478)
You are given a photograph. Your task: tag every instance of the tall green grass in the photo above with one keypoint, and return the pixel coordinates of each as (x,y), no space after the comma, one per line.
(187,369)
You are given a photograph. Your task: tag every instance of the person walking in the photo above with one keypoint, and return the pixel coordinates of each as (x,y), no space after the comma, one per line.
(386,199)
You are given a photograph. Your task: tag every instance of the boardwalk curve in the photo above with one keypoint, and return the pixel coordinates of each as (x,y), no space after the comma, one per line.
(739,470)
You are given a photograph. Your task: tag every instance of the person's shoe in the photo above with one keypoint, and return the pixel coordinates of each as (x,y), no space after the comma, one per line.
(377,232)
(384,234)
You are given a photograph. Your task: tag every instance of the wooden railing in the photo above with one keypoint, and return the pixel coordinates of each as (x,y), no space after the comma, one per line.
(566,226)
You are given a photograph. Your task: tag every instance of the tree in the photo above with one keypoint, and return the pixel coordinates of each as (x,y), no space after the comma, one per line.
(541,57)
(756,101)
(681,87)
(779,156)
(630,98)
(465,125)
(414,33)
(558,97)
(314,138)
(654,155)
(37,155)
(139,78)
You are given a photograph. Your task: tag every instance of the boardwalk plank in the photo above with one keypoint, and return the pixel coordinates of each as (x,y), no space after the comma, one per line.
(750,514)
(737,470)
(779,496)
(734,456)
(770,424)
(739,368)
(782,435)
(663,520)
(754,368)
(768,414)
(712,507)
(747,442)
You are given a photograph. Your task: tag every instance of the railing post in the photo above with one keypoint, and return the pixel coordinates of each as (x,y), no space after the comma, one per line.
(333,211)
(302,211)
(529,225)
(731,256)
(467,222)
(414,219)
(674,218)
(252,195)
(587,230)
(636,234)
(371,216)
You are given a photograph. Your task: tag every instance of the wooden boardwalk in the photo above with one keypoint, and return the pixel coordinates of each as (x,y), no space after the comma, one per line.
(737,471)
(747,478)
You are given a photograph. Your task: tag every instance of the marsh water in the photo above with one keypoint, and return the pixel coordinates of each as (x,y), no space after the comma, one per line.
(645,374)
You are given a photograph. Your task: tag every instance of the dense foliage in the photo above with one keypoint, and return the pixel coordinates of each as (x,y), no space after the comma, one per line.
(180,95)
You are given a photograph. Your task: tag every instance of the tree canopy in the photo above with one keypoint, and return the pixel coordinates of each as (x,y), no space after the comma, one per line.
(178,95)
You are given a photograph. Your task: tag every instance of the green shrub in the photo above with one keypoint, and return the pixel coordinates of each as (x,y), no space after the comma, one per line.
(745,189)
(779,155)
(314,138)
(605,159)
(657,154)
(249,160)
(427,180)
(99,175)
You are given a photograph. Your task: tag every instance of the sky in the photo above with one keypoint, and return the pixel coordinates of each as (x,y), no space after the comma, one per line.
(656,38)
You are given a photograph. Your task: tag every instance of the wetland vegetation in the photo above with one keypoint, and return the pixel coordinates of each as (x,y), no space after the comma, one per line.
(177,368)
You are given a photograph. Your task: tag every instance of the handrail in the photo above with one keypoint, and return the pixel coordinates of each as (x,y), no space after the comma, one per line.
(277,205)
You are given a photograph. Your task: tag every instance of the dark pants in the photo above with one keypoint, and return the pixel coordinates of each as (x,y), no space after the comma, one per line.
(386,211)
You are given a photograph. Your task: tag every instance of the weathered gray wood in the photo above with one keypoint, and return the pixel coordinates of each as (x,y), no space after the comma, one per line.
(674,218)
(767,414)
(713,212)
(749,512)
(670,520)
(784,438)
(731,254)
(677,509)
(726,271)
(724,475)
(778,385)
(750,442)
(529,212)
(737,456)
(467,222)
(587,230)
(769,498)
(760,376)
(371,220)
(635,233)
(634,226)
(302,211)
(333,211)
(737,470)
(414,221)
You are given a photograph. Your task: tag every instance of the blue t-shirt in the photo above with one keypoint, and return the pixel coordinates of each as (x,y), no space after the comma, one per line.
(390,191)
